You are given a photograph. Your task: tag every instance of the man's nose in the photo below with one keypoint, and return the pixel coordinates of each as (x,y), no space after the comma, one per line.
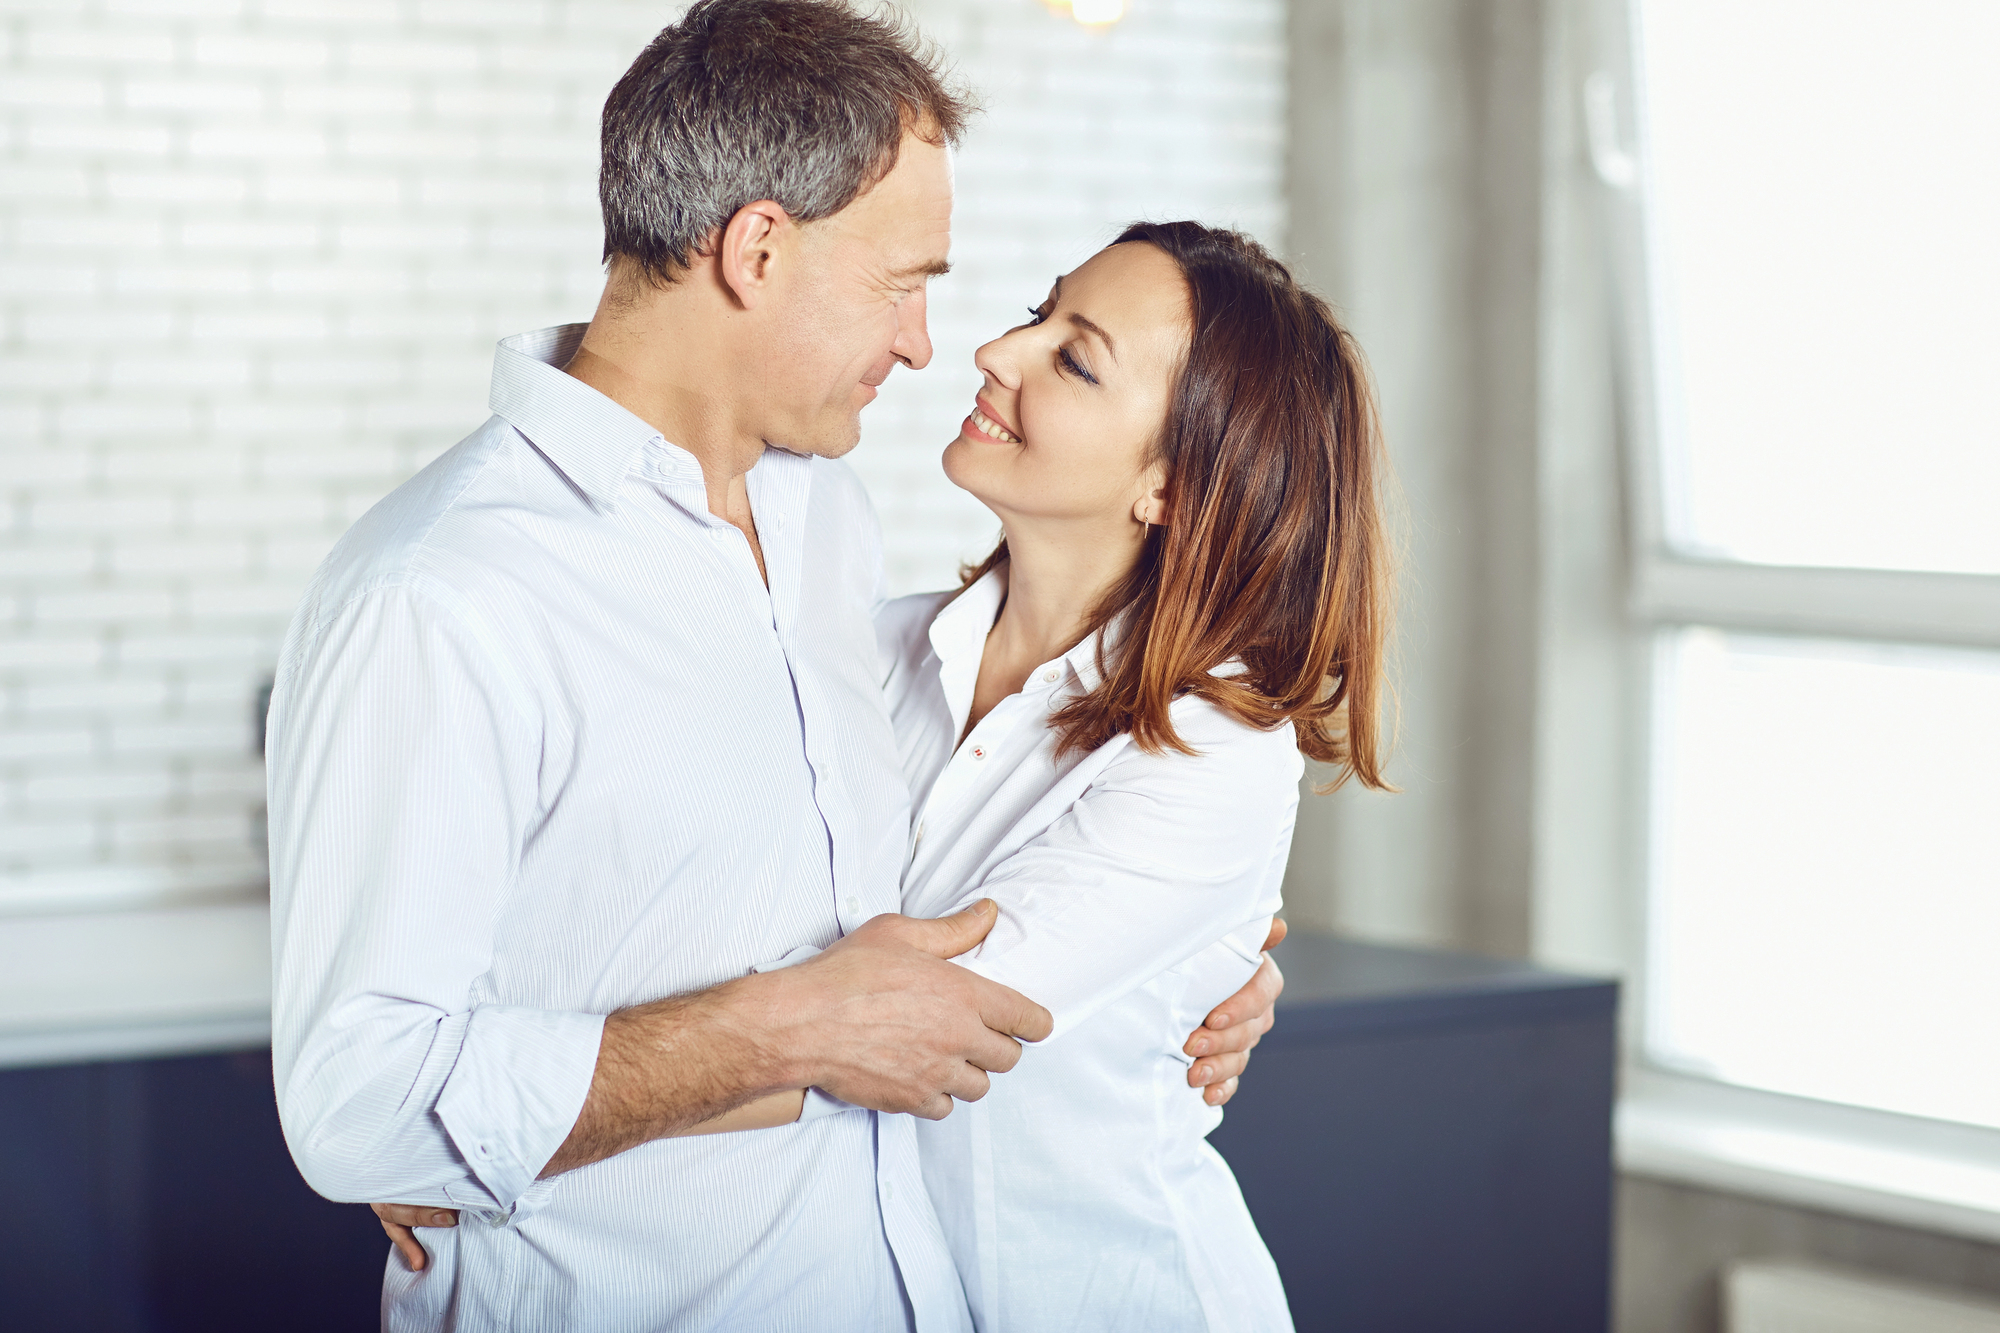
(913,336)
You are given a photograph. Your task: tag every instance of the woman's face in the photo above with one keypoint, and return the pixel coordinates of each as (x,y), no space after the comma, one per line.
(1073,401)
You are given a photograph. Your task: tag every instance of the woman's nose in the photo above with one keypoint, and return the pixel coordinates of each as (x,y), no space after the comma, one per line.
(1000,362)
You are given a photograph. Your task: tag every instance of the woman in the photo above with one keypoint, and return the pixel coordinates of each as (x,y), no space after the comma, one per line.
(1103,730)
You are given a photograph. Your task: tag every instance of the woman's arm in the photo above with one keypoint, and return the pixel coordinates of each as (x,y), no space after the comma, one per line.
(1161,857)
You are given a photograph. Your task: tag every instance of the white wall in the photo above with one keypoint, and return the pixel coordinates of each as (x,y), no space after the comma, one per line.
(1416,178)
(253,257)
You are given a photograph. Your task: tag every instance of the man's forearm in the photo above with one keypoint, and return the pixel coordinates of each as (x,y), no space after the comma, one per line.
(878,1019)
(665,1067)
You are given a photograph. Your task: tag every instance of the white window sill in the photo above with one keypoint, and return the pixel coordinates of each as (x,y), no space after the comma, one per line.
(132,984)
(1902,1170)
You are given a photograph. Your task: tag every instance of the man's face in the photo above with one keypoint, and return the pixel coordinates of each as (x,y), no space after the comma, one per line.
(854,304)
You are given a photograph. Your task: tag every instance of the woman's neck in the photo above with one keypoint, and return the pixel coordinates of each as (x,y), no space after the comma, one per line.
(1055,579)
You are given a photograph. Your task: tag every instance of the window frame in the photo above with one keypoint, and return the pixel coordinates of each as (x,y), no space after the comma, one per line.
(1674,1124)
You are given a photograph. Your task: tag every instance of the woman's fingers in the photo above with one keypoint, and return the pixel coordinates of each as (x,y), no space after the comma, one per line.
(1250,1006)
(1220,1093)
(1214,1069)
(398,1218)
(405,1241)
(415,1215)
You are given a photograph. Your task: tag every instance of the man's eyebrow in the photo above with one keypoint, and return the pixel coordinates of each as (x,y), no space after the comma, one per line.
(935,268)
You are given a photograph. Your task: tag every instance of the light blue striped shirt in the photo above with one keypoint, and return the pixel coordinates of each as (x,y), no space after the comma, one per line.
(544,746)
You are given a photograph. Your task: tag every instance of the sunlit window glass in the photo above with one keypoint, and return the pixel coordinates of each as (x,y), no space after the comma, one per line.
(1824,203)
(1826,905)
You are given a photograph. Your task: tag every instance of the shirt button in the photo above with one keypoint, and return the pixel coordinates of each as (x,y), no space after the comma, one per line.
(978,752)
(1051,675)
(920,830)
(497,1219)
(888,1191)
(853,905)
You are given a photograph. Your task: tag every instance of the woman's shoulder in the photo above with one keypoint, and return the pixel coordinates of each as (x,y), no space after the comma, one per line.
(1221,738)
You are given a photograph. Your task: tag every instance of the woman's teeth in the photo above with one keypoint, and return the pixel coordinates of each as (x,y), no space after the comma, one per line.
(989,427)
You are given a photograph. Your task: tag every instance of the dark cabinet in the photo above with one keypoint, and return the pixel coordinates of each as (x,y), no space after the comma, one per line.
(1425,1141)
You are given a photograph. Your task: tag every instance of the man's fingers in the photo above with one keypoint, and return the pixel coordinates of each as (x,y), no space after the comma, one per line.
(405,1242)
(1220,1093)
(950,936)
(1004,1009)
(1278,932)
(968,1084)
(988,1050)
(937,1108)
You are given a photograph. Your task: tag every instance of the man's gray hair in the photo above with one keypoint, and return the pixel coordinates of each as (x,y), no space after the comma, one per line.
(802,102)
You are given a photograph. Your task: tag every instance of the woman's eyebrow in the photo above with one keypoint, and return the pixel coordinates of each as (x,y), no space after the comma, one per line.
(1098,329)
(1110,344)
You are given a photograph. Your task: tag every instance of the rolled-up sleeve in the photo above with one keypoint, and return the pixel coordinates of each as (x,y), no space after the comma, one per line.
(1160,857)
(404,760)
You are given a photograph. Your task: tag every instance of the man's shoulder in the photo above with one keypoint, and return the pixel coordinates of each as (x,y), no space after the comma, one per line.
(426,529)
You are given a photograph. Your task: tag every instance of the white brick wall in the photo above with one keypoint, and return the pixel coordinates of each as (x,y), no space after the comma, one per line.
(253,257)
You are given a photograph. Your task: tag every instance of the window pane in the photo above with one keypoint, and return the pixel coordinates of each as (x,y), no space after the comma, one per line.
(1824,207)
(1826,901)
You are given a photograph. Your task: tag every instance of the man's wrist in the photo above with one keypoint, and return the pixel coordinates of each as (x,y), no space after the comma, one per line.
(764,1016)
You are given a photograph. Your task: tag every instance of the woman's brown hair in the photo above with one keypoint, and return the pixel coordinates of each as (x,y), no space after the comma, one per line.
(1274,550)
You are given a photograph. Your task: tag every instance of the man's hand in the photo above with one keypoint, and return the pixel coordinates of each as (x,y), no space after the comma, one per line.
(881,1020)
(1221,1045)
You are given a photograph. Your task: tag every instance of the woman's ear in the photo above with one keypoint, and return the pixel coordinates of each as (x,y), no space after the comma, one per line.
(1151,506)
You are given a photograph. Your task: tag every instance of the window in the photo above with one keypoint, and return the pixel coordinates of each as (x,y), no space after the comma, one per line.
(1819,549)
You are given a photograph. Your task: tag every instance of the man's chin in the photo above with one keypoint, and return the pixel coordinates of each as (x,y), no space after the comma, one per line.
(832,442)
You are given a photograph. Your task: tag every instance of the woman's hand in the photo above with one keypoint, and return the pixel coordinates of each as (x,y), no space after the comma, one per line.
(1221,1045)
(398,1218)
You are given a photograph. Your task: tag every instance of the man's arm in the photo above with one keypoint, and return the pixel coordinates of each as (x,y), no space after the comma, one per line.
(403,780)
(879,1020)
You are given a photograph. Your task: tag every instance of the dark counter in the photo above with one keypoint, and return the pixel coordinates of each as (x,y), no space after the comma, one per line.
(1425,1141)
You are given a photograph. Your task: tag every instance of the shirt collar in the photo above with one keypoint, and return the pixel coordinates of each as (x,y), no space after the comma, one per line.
(591,439)
(958,637)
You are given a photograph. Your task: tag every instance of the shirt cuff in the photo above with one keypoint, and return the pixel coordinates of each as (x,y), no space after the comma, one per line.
(817,1103)
(798,955)
(823,1103)
(515,1091)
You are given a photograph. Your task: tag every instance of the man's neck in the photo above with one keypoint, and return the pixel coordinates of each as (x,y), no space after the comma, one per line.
(667,356)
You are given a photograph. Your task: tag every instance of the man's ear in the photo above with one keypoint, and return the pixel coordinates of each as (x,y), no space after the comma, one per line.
(747,251)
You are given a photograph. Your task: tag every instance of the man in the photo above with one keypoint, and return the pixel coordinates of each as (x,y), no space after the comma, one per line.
(576,743)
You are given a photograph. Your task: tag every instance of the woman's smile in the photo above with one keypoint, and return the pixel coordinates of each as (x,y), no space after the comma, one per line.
(982,422)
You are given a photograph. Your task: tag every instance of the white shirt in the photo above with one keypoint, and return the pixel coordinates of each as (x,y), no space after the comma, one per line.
(543,746)
(1135,892)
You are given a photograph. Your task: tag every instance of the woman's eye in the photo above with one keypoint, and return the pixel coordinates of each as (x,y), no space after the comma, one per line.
(1036,315)
(1074,368)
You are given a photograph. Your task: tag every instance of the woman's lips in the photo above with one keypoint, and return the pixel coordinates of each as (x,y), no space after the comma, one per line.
(984,423)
